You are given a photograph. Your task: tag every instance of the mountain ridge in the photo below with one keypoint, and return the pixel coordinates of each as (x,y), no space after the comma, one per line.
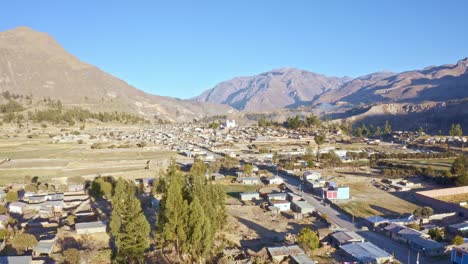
(433,83)
(34,63)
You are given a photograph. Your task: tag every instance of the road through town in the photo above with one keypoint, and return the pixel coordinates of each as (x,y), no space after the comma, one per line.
(343,221)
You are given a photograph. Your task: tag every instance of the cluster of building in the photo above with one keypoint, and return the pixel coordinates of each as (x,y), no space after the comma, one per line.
(43,213)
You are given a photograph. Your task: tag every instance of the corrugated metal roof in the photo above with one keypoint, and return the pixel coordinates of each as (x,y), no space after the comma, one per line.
(16,259)
(302,259)
(365,251)
(96,224)
(285,251)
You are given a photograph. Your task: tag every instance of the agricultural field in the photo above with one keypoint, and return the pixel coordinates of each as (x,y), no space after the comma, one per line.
(458,198)
(58,161)
(437,164)
(367,200)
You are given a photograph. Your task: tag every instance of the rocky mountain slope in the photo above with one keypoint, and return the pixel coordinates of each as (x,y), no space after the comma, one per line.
(281,88)
(33,63)
(289,88)
(434,83)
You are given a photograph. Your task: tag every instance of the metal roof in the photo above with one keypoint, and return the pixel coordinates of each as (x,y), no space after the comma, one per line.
(285,251)
(347,236)
(85,225)
(302,259)
(16,259)
(365,251)
(44,246)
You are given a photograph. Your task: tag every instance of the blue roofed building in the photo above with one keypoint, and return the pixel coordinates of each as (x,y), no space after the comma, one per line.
(459,254)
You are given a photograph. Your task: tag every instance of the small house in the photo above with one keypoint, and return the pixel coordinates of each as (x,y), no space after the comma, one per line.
(275,180)
(366,252)
(277,196)
(248,180)
(459,254)
(249,196)
(311,175)
(302,207)
(17,208)
(44,247)
(16,259)
(90,227)
(282,205)
(458,229)
(345,237)
(282,252)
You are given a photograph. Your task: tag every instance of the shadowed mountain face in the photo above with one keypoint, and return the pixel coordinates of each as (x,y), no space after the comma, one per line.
(438,84)
(33,63)
(289,88)
(281,88)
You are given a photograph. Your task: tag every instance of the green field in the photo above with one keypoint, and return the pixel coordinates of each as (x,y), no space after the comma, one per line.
(233,190)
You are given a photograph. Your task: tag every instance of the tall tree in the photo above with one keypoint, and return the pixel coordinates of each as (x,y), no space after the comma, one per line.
(456,131)
(173,214)
(378,132)
(129,226)
(387,128)
(319,140)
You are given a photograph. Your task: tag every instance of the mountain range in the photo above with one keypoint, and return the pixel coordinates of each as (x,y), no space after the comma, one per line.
(33,63)
(290,88)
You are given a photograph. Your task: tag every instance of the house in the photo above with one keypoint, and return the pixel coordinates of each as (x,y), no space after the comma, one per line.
(90,227)
(293,197)
(282,252)
(248,180)
(277,196)
(311,176)
(428,247)
(44,247)
(458,229)
(282,205)
(345,237)
(335,193)
(146,182)
(249,196)
(17,207)
(230,124)
(302,207)
(373,221)
(301,259)
(459,254)
(366,252)
(217,176)
(276,180)
(16,259)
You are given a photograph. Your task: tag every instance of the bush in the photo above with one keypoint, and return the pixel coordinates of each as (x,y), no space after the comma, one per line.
(23,242)
(458,240)
(72,256)
(308,239)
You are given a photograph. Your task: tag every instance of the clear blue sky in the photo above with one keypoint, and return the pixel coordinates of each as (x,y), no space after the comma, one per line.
(181,48)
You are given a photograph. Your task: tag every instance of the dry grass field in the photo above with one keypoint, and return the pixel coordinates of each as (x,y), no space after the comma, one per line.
(367,200)
(58,161)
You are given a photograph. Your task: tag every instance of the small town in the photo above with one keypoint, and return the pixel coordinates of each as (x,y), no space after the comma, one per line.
(316,194)
(234,132)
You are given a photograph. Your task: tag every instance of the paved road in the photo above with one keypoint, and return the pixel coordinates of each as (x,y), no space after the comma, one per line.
(343,221)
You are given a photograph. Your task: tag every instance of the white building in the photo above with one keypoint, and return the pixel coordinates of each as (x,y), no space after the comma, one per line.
(275,180)
(90,227)
(17,207)
(230,123)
